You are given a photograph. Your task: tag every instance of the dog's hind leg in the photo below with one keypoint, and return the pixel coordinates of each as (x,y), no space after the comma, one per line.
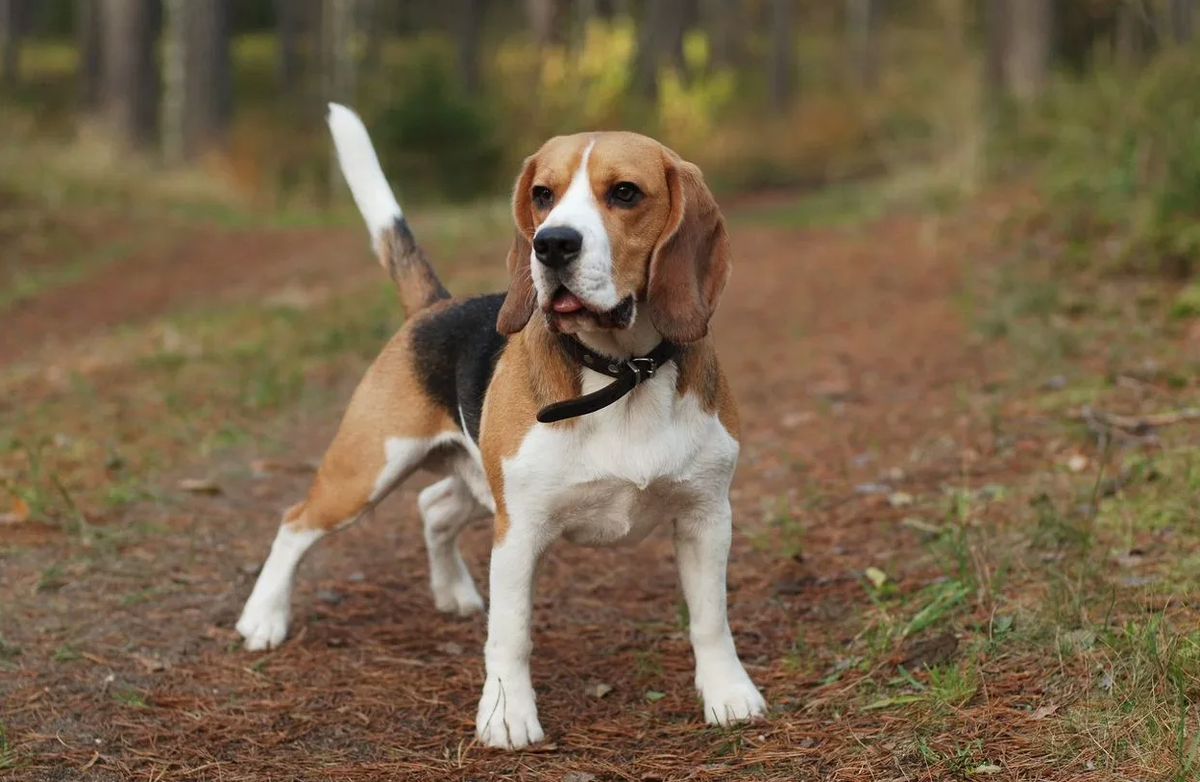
(389,429)
(446,508)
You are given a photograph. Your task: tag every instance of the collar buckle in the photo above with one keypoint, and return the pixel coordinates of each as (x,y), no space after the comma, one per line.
(643,368)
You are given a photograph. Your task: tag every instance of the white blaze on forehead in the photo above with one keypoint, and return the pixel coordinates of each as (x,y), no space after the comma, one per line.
(589,277)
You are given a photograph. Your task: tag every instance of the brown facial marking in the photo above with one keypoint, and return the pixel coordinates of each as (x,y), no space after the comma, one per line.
(550,167)
(633,231)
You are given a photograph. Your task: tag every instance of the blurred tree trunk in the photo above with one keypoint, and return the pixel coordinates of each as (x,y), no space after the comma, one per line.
(373,21)
(1029,47)
(337,34)
(660,45)
(12,18)
(1182,18)
(469,23)
(862,30)
(1130,42)
(540,14)
(585,12)
(781,74)
(722,20)
(197,93)
(995,28)
(129,87)
(289,23)
(87,41)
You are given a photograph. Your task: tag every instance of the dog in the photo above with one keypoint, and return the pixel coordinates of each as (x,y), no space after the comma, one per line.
(585,403)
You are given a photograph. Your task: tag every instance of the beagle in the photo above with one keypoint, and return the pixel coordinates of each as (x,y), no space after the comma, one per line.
(586,403)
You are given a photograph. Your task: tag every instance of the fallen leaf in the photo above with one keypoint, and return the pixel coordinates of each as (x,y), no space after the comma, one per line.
(151,664)
(655,695)
(1043,712)
(600,689)
(450,647)
(986,768)
(1078,640)
(18,514)
(265,466)
(920,525)
(792,420)
(579,776)
(900,499)
(199,486)
(876,576)
(887,703)
(329,596)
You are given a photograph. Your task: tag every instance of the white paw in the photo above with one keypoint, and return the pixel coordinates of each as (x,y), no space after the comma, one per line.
(730,697)
(507,716)
(263,625)
(458,597)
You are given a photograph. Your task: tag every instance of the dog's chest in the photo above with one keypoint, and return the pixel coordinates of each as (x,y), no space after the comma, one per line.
(613,477)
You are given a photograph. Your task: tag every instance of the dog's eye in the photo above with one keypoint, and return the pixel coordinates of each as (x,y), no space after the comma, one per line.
(624,194)
(543,197)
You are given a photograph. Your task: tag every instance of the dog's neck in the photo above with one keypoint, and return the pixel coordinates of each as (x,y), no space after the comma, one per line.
(639,339)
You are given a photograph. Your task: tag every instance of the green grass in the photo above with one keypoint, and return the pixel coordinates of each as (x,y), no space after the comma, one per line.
(8,756)
(130,698)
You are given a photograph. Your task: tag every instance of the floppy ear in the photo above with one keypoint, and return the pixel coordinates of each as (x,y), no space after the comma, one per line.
(521,298)
(690,264)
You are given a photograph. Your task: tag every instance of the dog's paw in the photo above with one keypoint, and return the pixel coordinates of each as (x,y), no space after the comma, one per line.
(730,697)
(458,597)
(507,716)
(263,626)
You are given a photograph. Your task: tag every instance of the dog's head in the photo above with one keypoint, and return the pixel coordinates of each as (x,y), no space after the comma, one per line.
(612,227)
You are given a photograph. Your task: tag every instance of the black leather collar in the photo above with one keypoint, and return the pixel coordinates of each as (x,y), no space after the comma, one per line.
(627,374)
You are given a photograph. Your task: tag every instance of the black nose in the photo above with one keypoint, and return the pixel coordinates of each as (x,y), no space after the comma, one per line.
(556,247)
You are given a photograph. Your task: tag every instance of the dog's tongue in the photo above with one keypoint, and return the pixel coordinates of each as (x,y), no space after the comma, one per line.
(566,302)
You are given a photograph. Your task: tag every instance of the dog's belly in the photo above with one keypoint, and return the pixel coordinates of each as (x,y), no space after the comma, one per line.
(616,513)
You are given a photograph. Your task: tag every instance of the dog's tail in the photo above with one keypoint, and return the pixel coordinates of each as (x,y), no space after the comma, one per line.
(394,244)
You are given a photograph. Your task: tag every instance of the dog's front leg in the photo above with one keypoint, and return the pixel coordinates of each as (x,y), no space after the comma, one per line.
(507,715)
(702,550)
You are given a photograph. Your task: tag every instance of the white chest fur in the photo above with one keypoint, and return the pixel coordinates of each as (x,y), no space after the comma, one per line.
(616,474)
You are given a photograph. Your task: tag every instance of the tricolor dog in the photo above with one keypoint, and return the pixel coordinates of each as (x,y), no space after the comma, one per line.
(584,403)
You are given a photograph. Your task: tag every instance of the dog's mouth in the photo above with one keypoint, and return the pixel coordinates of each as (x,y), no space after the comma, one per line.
(564,302)
(568,313)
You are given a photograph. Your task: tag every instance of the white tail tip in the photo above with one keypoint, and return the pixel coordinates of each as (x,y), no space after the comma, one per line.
(360,166)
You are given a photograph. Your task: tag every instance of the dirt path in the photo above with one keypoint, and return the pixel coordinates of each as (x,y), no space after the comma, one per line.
(849,358)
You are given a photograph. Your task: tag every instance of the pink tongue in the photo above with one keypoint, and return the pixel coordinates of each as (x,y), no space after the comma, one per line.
(567,302)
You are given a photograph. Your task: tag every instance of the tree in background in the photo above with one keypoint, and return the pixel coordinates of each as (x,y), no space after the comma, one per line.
(289,16)
(862,32)
(1019,44)
(1181,17)
(781,74)
(660,44)
(722,20)
(197,95)
(12,18)
(129,70)
(88,41)
(468,34)
(1030,46)
(541,15)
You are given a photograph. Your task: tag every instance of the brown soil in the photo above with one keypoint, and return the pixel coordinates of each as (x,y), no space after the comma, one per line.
(848,356)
